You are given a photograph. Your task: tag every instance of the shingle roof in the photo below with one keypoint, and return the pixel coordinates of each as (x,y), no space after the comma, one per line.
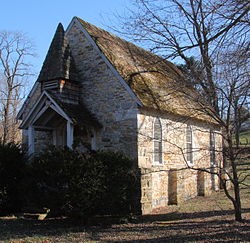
(78,113)
(58,62)
(156,82)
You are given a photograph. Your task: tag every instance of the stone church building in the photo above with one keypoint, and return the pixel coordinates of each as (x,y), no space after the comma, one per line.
(97,91)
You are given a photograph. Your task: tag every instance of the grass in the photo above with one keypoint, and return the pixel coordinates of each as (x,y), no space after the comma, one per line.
(243,167)
(245,138)
(202,219)
(244,172)
(245,134)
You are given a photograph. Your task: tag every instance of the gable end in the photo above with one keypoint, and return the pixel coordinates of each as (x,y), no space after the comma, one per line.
(76,21)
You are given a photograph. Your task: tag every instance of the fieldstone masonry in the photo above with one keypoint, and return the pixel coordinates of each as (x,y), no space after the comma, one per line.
(104,96)
(173,182)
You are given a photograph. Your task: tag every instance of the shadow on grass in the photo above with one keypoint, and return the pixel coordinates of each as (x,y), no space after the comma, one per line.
(172,227)
(221,231)
(187,216)
(21,228)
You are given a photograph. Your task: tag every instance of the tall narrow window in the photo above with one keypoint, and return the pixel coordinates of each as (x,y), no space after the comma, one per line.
(157,141)
(189,144)
(212,148)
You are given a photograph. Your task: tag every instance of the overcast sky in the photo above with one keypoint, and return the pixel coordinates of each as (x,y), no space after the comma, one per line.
(39,18)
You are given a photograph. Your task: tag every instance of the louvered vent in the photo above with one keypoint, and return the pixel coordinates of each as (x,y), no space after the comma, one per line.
(48,85)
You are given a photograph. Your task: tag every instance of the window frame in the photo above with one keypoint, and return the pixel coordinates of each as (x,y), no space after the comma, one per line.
(157,143)
(189,145)
(212,148)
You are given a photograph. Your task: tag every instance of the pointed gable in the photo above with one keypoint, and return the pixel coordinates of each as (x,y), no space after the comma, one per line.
(58,63)
(78,114)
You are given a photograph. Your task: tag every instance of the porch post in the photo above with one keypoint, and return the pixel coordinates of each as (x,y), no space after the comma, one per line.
(31,141)
(70,130)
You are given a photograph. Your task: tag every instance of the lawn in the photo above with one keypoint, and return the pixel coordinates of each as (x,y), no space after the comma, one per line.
(245,135)
(202,219)
(244,138)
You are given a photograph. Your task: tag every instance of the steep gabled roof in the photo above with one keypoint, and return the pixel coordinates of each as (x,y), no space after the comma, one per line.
(58,63)
(78,113)
(157,83)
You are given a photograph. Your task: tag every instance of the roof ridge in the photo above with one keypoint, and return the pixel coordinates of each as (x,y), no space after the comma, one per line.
(156,82)
(161,59)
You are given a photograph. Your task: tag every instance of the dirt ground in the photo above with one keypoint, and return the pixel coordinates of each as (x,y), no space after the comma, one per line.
(202,219)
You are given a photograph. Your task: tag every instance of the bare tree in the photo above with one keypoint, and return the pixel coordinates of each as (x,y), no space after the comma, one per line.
(233,74)
(216,34)
(234,94)
(15,49)
(180,29)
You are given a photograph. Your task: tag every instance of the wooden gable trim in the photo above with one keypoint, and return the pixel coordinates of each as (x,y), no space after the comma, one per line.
(105,59)
(37,105)
(35,112)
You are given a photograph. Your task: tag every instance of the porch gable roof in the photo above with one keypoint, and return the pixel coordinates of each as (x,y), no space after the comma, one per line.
(44,102)
(74,113)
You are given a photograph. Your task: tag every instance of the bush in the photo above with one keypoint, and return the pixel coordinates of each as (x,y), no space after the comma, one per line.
(48,179)
(86,186)
(12,170)
(119,181)
(79,185)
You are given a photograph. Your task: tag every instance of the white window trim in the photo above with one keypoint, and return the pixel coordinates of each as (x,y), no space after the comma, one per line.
(31,142)
(157,163)
(189,162)
(69,134)
(212,147)
(94,140)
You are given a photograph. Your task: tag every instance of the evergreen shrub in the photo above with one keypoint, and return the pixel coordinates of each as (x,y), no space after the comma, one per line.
(79,185)
(12,171)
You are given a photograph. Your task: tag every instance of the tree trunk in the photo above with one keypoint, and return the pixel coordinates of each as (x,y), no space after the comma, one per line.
(6,118)
(236,184)
(237,201)
(237,204)
(237,138)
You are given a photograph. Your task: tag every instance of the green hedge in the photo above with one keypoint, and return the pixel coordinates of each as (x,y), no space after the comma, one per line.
(79,185)
(12,172)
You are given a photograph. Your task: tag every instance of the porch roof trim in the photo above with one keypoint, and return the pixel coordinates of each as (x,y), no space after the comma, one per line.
(38,109)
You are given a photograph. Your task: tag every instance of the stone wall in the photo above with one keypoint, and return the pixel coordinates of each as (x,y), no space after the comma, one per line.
(42,139)
(104,95)
(173,182)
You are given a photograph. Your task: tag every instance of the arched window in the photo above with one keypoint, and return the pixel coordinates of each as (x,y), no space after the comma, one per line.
(189,144)
(212,148)
(157,141)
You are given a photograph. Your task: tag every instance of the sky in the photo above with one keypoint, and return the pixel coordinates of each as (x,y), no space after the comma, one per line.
(38,19)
